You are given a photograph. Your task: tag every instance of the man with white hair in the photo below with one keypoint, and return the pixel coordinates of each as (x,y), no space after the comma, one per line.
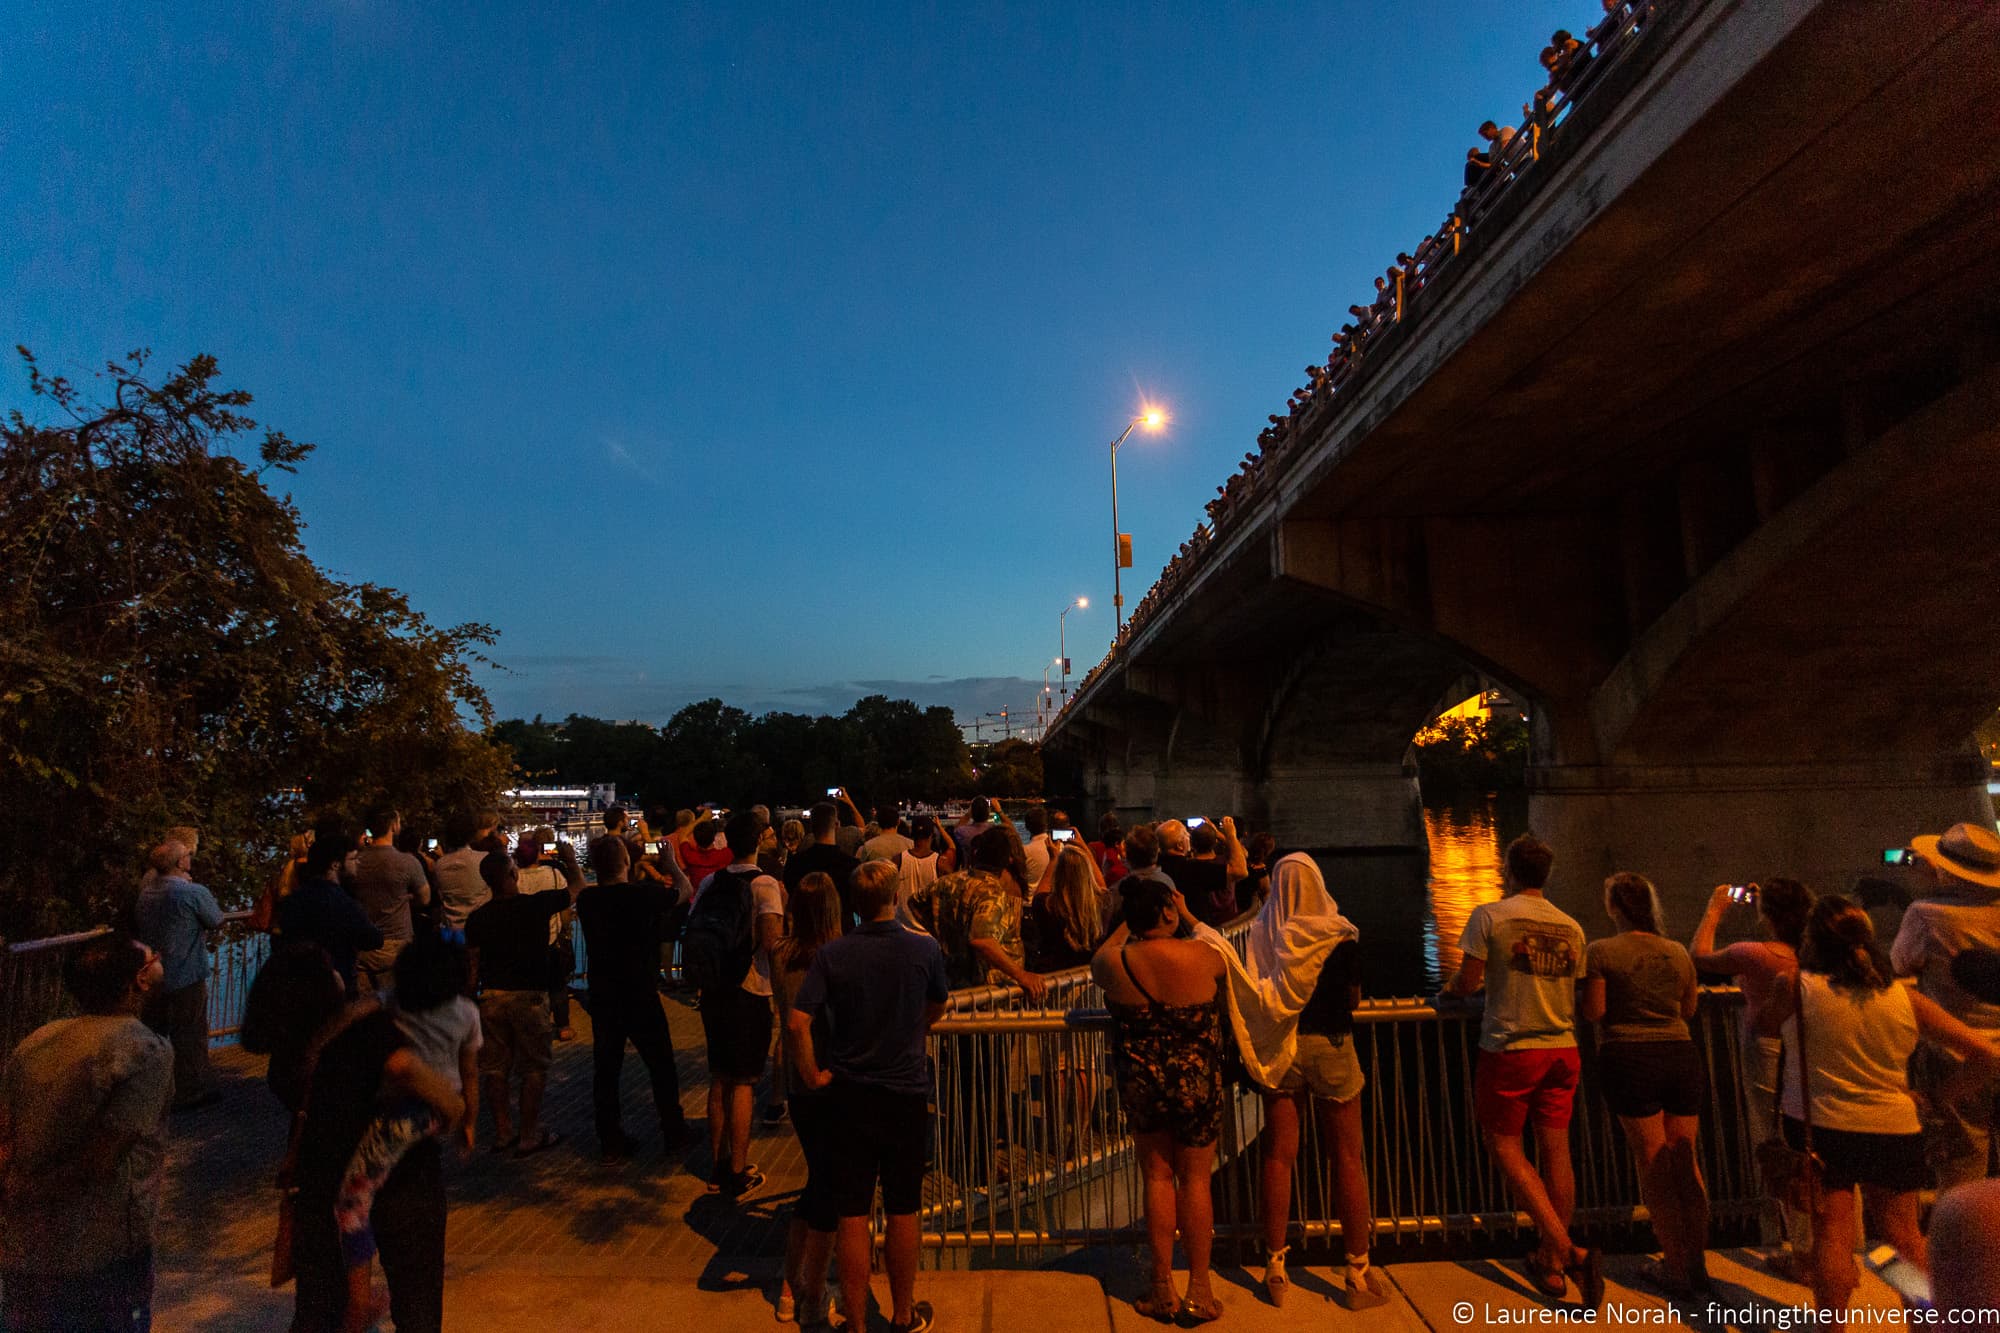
(1960,911)
(174,915)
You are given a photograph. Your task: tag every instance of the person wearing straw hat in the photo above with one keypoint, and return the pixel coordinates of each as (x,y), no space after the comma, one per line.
(1959,912)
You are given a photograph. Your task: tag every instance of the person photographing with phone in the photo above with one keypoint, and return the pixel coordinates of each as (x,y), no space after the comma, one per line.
(1758,966)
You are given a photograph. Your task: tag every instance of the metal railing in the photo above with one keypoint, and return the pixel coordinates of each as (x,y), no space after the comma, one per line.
(31,989)
(1070,989)
(1030,1151)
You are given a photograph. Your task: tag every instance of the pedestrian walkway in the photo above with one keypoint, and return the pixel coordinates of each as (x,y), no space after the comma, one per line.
(561,1241)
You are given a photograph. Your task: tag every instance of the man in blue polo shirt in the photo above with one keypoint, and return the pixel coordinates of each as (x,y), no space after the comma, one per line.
(880,988)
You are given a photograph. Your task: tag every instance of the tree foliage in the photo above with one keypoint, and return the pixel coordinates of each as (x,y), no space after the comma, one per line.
(1011,767)
(1472,754)
(170,655)
(881,749)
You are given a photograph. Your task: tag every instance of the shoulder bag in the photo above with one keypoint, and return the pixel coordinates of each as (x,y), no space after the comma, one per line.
(1792,1174)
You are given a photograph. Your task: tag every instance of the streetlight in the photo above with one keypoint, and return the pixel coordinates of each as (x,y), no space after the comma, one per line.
(1062,627)
(1121,545)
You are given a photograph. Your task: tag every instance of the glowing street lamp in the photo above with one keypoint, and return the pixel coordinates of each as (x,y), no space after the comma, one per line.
(1062,639)
(1153,419)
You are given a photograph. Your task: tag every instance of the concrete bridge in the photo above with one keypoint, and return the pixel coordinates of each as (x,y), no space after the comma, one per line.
(1695,455)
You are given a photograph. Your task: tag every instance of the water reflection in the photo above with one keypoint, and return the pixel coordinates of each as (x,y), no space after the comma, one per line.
(1466,841)
(1411,914)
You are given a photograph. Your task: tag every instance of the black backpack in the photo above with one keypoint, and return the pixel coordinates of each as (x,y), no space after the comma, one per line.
(717,943)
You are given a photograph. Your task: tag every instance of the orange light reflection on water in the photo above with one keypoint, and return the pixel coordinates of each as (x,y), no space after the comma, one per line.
(1465,872)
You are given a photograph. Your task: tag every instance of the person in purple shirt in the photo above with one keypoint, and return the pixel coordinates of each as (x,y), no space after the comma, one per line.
(174,915)
(880,988)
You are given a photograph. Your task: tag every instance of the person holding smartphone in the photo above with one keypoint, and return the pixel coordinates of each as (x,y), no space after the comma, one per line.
(1759,967)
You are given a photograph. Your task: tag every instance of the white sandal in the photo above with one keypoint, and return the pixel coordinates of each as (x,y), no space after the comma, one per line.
(1276,1284)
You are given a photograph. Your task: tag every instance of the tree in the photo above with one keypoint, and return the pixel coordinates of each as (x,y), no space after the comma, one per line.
(1012,768)
(170,655)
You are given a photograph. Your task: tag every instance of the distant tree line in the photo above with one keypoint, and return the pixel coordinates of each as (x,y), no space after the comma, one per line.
(881,749)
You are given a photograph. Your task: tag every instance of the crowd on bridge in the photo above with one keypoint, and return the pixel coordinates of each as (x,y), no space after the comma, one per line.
(1504,153)
(413,995)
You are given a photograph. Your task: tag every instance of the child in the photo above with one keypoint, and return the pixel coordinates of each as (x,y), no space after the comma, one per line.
(442,1026)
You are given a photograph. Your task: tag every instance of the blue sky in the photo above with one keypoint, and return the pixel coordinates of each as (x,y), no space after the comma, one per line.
(794,333)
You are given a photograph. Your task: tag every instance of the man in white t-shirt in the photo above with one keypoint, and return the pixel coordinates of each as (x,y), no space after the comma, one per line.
(1529,954)
(736,1020)
(1038,848)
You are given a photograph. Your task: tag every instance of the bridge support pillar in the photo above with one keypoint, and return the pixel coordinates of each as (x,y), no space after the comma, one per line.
(1208,792)
(1690,828)
(1342,805)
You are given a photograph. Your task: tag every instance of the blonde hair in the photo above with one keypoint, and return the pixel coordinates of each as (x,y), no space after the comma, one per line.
(1632,901)
(1073,898)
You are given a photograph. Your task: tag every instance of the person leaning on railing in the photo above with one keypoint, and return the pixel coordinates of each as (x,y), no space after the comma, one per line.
(1166,1000)
(1639,992)
(1293,1015)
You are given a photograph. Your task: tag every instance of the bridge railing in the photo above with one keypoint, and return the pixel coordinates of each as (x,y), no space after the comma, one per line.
(1047,1161)
(1614,56)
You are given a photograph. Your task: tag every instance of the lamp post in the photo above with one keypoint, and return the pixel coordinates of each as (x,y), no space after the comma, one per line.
(1062,626)
(1152,419)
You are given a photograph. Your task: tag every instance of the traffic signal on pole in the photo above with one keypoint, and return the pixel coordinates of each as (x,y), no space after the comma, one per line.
(1124,550)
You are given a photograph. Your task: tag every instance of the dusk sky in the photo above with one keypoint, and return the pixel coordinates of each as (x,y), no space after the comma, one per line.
(761,351)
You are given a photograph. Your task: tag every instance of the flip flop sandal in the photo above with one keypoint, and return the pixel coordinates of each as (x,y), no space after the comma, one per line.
(1197,1312)
(548,1140)
(1162,1304)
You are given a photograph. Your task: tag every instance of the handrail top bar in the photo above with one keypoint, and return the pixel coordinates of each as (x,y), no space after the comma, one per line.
(1377,1010)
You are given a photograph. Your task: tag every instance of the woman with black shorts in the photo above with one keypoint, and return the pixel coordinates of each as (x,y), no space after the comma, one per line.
(1860,1028)
(1639,990)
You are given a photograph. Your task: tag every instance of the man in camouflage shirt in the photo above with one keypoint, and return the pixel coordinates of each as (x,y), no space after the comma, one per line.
(975,915)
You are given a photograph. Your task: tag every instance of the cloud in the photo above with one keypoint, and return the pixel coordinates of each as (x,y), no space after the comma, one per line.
(624,459)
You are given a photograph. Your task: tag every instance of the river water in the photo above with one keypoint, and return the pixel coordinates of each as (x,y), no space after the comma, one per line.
(1411,914)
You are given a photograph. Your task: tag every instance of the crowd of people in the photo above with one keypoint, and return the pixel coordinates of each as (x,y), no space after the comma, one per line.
(412,999)
(1503,153)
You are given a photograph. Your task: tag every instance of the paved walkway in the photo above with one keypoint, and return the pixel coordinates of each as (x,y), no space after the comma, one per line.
(562,1241)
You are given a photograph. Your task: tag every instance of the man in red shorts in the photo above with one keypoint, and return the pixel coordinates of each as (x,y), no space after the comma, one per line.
(1529,954)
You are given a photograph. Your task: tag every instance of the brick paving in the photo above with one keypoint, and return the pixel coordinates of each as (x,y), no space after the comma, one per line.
(562,1209)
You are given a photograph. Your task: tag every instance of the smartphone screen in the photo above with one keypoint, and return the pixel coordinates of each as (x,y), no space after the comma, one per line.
(550,848)
(1896,856)
(833,791)
(1195,821)
(652,849)
(430,844)
(1063,834)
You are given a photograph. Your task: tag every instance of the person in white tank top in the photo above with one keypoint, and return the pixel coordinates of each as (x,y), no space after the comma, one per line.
(1859,1032)
(919,867)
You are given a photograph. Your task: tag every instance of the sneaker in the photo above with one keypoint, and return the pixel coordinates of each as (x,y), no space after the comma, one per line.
(920,1319)
(739,1188)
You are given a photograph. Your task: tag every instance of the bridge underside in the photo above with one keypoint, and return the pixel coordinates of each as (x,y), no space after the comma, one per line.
(1697,465)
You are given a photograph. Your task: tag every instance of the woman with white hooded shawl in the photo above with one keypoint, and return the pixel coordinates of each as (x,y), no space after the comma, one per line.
(1290,1001)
